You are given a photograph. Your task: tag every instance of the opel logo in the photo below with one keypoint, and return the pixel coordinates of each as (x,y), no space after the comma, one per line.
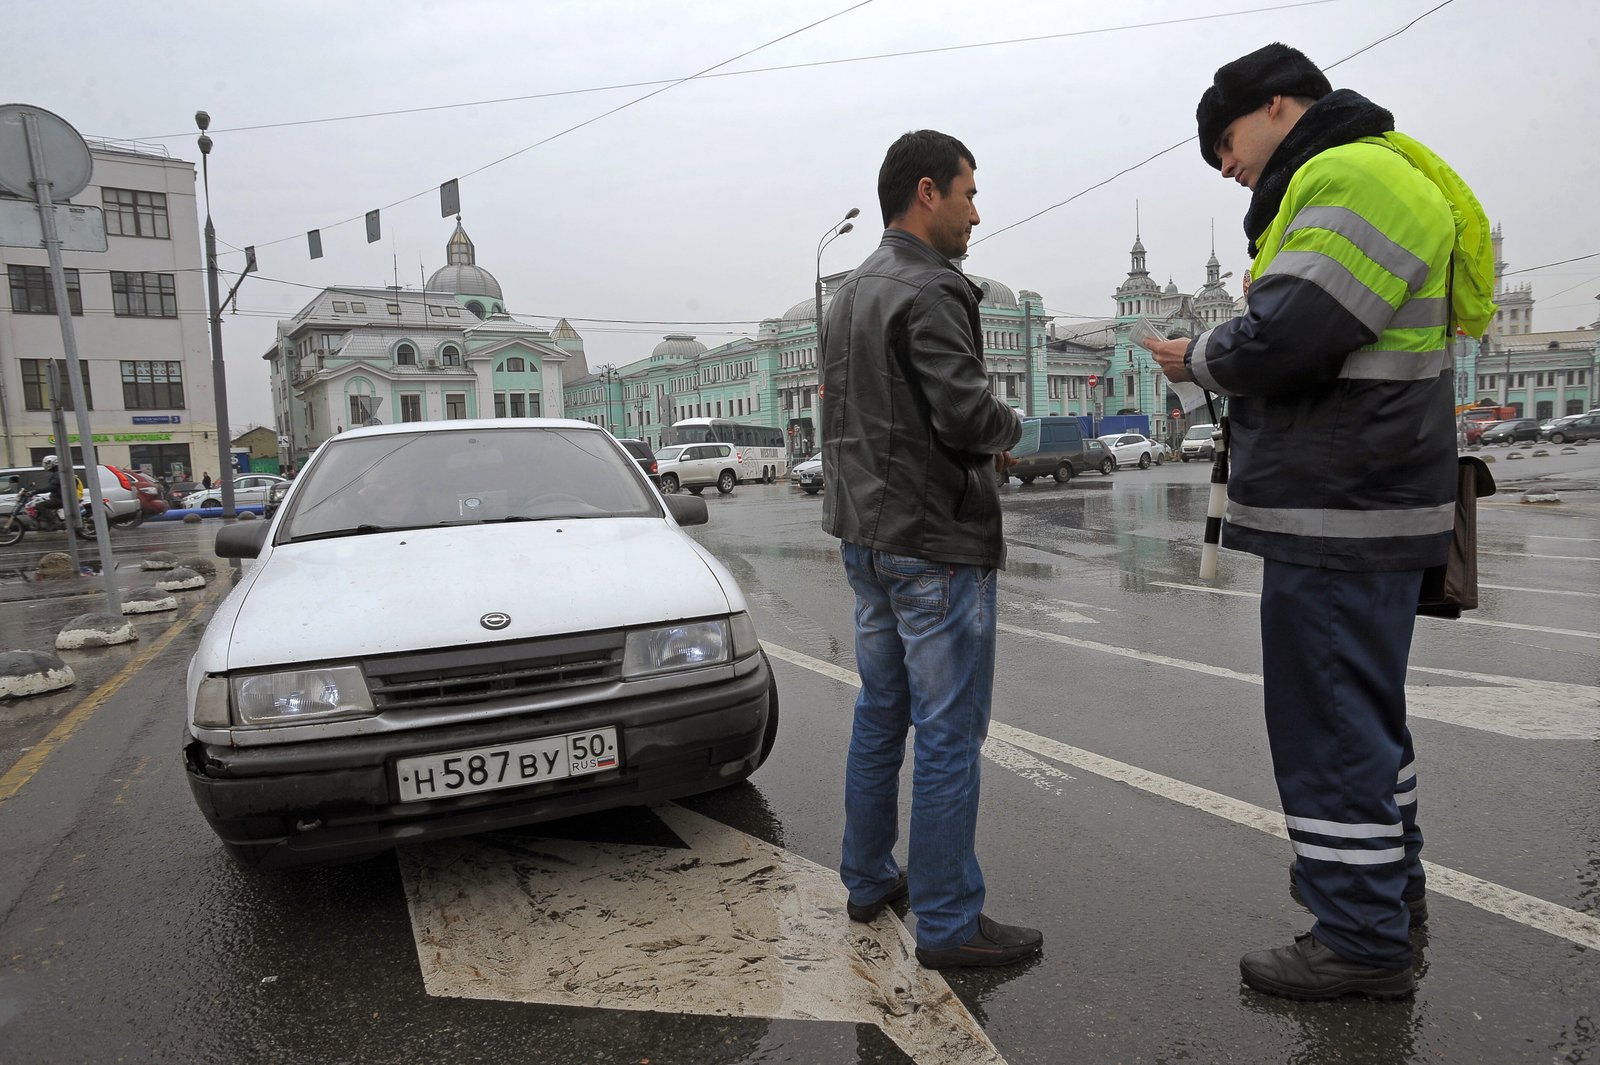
(495,620)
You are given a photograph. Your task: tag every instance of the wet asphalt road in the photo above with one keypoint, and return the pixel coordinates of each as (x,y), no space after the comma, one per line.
(1128,740)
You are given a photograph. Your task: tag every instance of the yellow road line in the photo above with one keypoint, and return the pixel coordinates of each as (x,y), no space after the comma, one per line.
(30,763)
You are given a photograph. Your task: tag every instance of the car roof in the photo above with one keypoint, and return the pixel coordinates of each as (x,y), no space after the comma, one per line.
(469,424)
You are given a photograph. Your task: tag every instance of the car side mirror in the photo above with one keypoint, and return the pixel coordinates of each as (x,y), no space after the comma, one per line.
(246,540)
(685,510)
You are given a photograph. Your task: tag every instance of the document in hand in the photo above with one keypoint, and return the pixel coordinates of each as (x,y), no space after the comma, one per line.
(1189,395)
(1029,444)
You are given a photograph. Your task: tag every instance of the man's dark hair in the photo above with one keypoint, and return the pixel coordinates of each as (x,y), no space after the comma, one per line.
(926,153)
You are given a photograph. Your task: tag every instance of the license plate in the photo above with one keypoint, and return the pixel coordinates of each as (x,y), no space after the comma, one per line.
(509,765)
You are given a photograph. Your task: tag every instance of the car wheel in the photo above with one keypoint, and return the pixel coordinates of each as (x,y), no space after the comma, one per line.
(1107,466)
(211,503)
(1144,461)
(1026,480)
(1555,438)
(1185,458)
(697,489)
(128,521)
(725,482)
(669,483)
(1063,473)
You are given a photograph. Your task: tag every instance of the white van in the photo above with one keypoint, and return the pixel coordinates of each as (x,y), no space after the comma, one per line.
(1197,443)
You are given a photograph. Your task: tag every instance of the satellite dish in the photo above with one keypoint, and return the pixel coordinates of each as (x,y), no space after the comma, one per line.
(66,161)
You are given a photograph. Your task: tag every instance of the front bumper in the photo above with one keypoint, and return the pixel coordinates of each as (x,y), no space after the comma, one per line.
(333,799)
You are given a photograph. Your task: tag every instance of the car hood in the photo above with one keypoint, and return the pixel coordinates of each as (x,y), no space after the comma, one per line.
(391,592)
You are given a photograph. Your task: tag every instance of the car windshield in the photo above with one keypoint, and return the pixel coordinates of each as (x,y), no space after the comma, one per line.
(463,477)
(1199,432)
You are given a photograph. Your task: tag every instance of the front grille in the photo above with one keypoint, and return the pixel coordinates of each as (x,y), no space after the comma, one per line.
(496,671)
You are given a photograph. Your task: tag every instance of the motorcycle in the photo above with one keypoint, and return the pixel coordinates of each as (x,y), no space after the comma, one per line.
(34,512)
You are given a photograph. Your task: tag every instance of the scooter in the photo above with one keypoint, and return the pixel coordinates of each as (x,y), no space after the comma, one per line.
(34,512)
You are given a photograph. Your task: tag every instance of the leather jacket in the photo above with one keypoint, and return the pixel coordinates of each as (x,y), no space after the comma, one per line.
(909,426)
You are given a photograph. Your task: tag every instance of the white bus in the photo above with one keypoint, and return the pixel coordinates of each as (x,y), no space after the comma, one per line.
(759,449)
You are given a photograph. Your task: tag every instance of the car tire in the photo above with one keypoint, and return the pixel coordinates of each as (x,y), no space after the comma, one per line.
(725,482)
(128,521)
(1185,458)
(1063,473)
(249,855)
(1026,480)
(669,483)
(1144,461)
(811,489)
(1558,438)
(211,503)
(1107,466)
(697,489)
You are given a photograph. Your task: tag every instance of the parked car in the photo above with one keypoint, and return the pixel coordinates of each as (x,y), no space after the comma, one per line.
(1196,443)
(1064,452)
(695,467)
(176,490)
(1584,427)
(1132,449)
(1509,432)
(640,450)
(249,490)
(808,474)
(390,670)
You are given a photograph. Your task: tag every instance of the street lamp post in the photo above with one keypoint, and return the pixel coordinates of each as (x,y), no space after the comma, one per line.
(219,373)
(838,229)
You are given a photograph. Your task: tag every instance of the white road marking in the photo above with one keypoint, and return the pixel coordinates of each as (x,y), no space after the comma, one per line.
(1530,709)
(1058,610)
(1524,909)
(730,927)
(1580,539)
(1538,591)
(1522,554)
(1580,633)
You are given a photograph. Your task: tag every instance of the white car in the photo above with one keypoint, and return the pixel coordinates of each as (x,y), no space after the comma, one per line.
(695,467)
(1133,449)
(462,626)
(116,490)
(249,489)
(808,474)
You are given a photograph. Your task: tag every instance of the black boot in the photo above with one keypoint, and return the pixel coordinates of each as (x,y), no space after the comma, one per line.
(1308,970)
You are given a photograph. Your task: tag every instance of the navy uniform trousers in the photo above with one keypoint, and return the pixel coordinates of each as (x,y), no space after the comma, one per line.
(1334,651)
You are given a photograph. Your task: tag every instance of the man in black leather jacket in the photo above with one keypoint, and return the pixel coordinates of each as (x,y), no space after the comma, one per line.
(912,437)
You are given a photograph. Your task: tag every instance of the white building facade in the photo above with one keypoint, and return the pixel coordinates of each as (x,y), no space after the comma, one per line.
(139,319)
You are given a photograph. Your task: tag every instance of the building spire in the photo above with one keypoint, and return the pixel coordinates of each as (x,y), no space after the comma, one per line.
(459,249)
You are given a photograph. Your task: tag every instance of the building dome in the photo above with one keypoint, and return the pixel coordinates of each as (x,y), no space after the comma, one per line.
(995,294)
(461,275)
(679,347)
(805,311)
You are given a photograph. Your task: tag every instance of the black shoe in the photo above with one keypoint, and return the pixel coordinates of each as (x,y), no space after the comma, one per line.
(1416,901)
(868,913)
(995,944)
(1310,971)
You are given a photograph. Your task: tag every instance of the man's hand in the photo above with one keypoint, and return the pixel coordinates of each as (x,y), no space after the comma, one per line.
(1169,356)
(1004,461)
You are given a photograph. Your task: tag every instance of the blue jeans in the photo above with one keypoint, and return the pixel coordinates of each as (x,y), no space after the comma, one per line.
(925,639)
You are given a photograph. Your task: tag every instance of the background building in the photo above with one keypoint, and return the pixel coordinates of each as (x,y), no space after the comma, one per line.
(139,317)
(360,356)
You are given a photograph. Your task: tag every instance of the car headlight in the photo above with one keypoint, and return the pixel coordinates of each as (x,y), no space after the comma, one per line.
(296,695)
(690,645)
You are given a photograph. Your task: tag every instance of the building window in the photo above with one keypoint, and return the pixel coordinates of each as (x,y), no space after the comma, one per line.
(411,408)
(514,365)
(152,385)
(405,355)
(340,306)
(36,384)
(144,295)
(476,308)
(358,308)
(32,293)
(436,311)
(452,312)
(392,308)
(455,404)
(450,355)
(131,213)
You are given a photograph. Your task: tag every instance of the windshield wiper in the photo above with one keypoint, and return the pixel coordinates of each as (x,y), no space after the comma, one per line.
(359,530)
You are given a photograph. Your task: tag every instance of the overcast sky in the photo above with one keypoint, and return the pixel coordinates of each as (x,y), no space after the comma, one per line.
(704,204)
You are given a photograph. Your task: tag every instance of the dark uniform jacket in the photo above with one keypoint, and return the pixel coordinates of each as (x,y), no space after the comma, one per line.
(909,426)
(1342,432)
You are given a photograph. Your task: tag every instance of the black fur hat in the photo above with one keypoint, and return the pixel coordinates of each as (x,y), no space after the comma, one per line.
(1249,82)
